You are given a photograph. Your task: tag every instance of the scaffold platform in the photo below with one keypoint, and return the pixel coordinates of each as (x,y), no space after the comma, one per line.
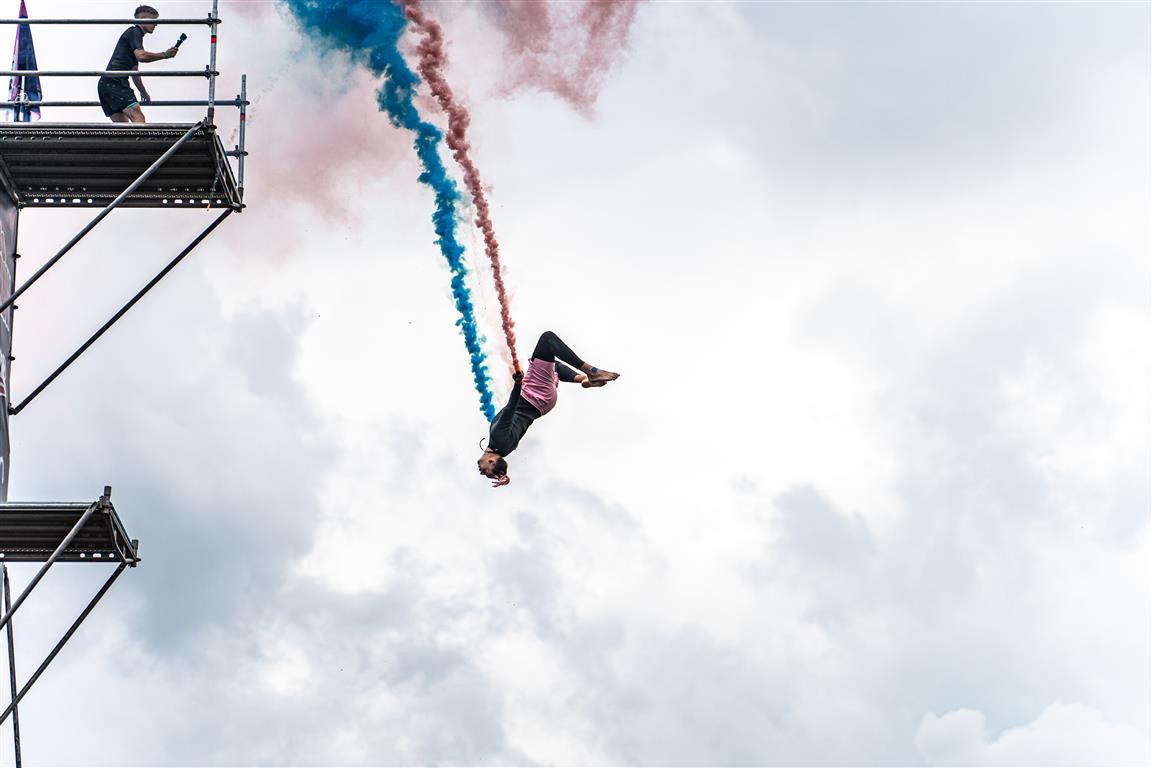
(30,532)
(87,165)
(51,533)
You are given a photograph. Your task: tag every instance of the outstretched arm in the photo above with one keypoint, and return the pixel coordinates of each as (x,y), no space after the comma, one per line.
(147,57)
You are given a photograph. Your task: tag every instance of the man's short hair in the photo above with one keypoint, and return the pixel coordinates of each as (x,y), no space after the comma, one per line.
(146,10)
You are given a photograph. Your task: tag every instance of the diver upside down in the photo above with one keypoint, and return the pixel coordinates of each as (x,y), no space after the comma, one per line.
(534,395)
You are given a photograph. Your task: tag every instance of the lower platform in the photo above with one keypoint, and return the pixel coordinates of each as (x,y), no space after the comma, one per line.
(77,165)
(31,531)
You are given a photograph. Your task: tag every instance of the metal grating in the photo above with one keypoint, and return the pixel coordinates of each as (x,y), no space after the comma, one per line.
(30,533)
(83,165)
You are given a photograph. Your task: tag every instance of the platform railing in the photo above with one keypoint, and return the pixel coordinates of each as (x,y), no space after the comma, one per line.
(212,21)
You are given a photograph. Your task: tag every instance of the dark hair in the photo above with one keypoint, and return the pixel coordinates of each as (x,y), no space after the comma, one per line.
(145,9)
(500,472)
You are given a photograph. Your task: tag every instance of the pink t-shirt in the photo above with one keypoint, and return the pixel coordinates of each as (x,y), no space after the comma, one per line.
(540,385)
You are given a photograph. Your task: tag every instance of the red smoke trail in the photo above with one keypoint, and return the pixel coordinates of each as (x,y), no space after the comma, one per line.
(564,48)
(607,24)
(432,58)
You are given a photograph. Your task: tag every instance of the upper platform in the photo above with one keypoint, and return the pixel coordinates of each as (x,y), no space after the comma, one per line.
(31,531)
(86,165)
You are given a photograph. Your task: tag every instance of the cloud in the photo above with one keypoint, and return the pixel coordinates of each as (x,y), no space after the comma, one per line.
(1063,734)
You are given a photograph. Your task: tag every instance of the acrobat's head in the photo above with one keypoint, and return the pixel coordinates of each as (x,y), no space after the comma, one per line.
(494,466)
(143,13)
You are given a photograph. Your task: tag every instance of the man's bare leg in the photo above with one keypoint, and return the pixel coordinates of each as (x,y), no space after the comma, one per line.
(134,114)
(120,117)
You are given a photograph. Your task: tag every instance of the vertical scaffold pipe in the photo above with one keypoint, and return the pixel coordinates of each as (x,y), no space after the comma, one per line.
(212,65)
(243,124)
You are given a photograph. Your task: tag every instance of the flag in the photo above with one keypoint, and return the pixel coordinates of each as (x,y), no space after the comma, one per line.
(24,89)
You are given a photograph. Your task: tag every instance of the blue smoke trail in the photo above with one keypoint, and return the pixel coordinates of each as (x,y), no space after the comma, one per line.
(370,31)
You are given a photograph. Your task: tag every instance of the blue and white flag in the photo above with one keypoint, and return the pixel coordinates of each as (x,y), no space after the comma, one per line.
(24,88)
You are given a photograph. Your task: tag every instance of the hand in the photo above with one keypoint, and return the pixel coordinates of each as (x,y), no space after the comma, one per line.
(171,52)
(145,98)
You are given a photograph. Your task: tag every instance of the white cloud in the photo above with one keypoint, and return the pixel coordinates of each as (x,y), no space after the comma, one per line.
(1063,734)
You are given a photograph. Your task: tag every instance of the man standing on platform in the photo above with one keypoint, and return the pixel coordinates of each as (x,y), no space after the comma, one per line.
(116,97)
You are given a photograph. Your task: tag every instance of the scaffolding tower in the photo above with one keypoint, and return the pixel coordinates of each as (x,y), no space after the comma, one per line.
(104,166)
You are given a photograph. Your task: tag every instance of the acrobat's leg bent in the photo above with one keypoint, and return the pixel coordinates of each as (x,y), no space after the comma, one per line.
(567,375)
(550,347)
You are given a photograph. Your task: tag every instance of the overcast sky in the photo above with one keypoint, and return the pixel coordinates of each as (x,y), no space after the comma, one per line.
(873,487)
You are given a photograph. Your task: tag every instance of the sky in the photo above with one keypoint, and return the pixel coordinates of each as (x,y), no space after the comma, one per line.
(872,489)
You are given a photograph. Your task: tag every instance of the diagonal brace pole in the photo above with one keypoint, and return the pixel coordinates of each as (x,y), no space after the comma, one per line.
(50,561)
(7,587)
(123,310)
(100,216)
(67,636)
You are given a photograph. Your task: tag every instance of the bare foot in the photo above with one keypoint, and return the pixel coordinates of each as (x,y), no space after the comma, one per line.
(590,384)
(601,377)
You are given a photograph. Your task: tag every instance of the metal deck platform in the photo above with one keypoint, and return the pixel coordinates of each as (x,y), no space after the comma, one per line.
(50,533)
(57,165)
(31,532)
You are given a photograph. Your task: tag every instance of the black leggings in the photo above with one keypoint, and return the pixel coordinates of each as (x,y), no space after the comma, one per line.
(551,349)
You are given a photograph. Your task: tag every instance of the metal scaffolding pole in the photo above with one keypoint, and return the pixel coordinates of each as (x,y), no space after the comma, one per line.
(207,21)
(243,125)
(111,73)
(212,68)
(153,103)
(7,587)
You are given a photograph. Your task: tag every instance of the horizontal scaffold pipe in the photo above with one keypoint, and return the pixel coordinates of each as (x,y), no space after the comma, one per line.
(156,103)
(107,73)
(207,21)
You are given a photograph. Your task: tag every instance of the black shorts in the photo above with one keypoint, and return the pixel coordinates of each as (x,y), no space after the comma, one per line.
(115,95)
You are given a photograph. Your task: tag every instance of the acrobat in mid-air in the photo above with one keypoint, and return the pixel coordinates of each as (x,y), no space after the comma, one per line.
(533,395)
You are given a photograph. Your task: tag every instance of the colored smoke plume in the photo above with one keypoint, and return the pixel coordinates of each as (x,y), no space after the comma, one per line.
(564,48)
(432,59)
(370,31)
